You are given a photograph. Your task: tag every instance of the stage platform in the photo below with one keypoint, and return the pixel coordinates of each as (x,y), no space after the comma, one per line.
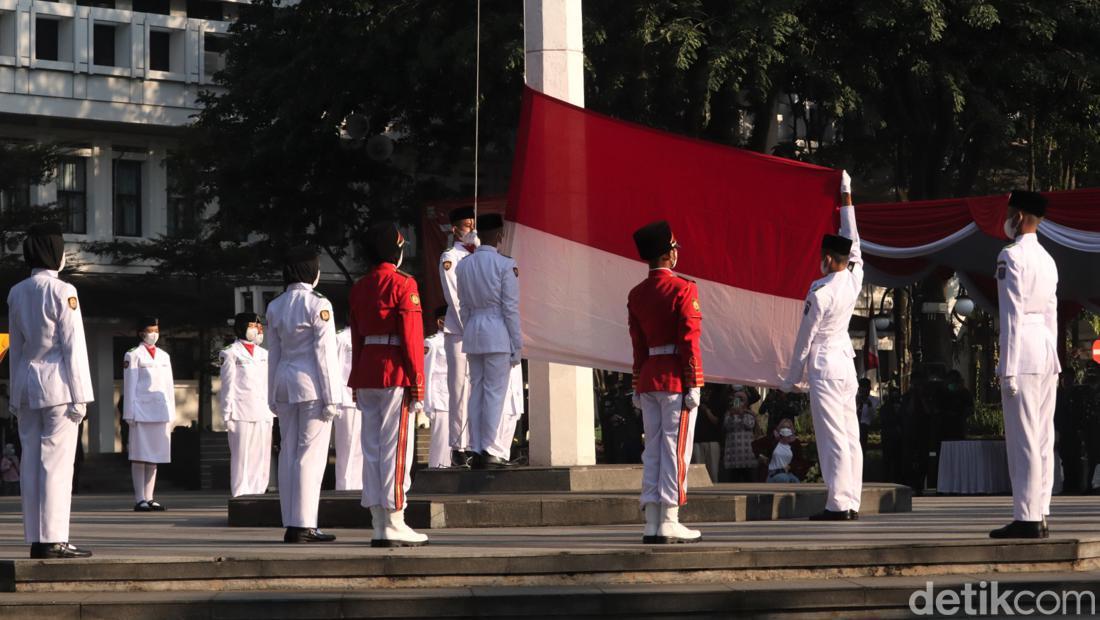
(186,564)
(538,497)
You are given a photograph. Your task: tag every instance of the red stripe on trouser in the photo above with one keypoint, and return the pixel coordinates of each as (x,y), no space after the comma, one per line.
(402,446)
(681,445)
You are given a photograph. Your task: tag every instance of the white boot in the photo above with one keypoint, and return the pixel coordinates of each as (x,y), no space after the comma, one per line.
(652,522)
(378,522)
(396,533)
(671,531)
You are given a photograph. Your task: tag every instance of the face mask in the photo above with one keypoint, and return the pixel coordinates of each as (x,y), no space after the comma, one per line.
(61,267)
(150,338)
(317,280)
(251,334)
(786,432)
(470,238)
(259,339)
(1010,229)
(400,258)
(824,266)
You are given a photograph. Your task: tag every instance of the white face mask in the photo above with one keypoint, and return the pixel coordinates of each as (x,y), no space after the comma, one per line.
(785,432)
(470,238)
(1010,229)
(150,338)
(251,334)
(824,266)
(61,267)
(259,339)
(317,280)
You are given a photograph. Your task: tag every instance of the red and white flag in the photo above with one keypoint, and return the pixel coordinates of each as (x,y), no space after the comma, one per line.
(749,226)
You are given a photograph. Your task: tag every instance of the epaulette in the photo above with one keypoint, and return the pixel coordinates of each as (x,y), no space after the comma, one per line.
(227,347)
(686,279)
(133,349)
(407,275)
(1011,245)
(817,287)
(316,293)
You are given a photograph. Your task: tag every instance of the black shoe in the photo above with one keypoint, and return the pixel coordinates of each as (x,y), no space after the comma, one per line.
(306,535)
(477,461)
(832,515)
(460,459)
(853,515)
(1045,528)
(488,461)
(143,506)
(57,551)
(157,506)
(1021,529)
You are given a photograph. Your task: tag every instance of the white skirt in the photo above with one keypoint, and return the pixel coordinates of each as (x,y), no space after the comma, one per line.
(151,442)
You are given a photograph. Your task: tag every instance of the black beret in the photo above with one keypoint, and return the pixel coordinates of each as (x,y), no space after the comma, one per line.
(654,240)
(147,321)
(383,241)
(490,221)
(836,244)
(461,213)
(1028,202)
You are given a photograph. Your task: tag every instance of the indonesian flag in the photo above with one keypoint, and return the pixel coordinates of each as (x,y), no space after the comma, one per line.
(870,348)
(749,226)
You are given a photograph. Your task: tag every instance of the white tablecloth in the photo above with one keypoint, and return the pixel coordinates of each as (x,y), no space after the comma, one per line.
(973,467)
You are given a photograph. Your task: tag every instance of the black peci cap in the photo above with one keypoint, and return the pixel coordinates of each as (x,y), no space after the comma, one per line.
(1028,202)
(241,321)
(654,240)
(147,321)
(461,213)
(383,242)
(490,221)
(836,244)
(301,264)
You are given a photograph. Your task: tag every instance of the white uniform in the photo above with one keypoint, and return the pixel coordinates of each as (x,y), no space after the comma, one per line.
(437,400)
(48,359)
(302,356)
(149,403)
(1027,287)
(458,376)
(348,426)
(488,285)
(243,399)
(823,344)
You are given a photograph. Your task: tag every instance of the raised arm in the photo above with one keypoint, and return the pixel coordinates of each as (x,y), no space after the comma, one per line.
(849,229)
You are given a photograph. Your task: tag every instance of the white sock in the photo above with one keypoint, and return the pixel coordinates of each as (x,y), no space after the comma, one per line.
(150,480)
(137,472)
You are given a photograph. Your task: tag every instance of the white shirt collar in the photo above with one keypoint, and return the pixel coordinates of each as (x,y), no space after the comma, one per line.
(49,272)
(300,286)
(487,248)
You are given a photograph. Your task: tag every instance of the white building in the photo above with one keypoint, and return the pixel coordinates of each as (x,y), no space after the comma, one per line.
(112,82)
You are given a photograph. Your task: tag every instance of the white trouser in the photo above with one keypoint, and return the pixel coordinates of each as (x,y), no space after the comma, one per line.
(836,427)
(500,446)
(389,435)
(250,458)
(303,455)
(439,454)
(489,376)
(349,449)
(46,475)
(458,383)
(669,436)
(1029,441)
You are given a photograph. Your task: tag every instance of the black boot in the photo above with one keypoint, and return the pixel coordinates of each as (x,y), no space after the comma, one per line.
(306,535)
(832,515)
(1021,529)
(57,551)
(853,515)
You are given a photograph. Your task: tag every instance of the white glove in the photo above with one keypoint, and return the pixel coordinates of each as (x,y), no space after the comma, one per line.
(845,182)
(786,385)
(330,412)
(1011,386)
(516,356)
(76,412)
(418,406)
(636,400)
(231,426)
(691,398)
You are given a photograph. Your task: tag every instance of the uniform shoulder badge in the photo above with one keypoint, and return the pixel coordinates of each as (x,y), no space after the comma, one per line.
(1001,267)
(695,305)
(72,303)
(326,315)
(515,270)
(806,309)
(447,265)
(414,299)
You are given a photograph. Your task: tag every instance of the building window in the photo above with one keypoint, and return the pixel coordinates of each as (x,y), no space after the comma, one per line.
(99,4)
(214,48)
(103,45)
(204,9)
(72,195)
(160,7)
(46,39)
(16,198)
(184,209)
(127,193)
(160,50)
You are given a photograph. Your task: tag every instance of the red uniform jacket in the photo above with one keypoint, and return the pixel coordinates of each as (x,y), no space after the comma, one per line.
(386,302)
(664,310)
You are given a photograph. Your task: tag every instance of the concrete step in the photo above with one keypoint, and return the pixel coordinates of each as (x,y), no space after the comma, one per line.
(542,479)
(699,565)
(717,503)
(883,597)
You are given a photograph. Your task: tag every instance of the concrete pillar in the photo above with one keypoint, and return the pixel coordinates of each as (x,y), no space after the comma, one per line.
(101,414)
(562,416)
